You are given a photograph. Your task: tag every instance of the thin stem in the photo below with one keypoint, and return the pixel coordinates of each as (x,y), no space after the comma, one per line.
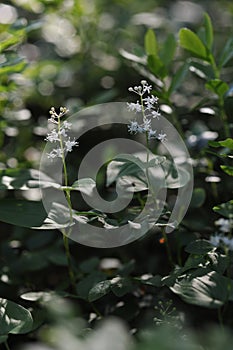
(67,192)
(220,319)
(6,345)
(68,256)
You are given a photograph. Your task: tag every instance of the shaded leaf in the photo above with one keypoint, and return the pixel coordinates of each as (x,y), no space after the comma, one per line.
(14,318)
(200,246)
(225,209)
(227,169)
(217,86)
(99,290)
(22,212)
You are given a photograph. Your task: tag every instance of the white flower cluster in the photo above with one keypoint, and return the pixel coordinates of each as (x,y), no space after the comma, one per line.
(219,240)
(59,135)
(148,106)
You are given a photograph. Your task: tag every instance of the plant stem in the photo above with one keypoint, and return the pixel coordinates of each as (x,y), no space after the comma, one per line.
(167,248)
(66,234)
(69,262)
(6,345)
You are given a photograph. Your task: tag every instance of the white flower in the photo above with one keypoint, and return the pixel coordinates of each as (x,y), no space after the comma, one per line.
(146,125)
(52,136)
(224,225)
(162,137)
(56,152)
(133,127)
(215,240)
(66,125)
(155,114)
(219,240)
(151,134)
(134,107)
(70,144)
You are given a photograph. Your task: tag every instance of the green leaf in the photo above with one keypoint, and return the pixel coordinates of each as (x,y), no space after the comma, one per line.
(24,179)
(200,247)
(121,286)
(150,43)
(202,69)
(210,290)
(11,40)
(225,209)
(154,281)
(99,290)
(89,282)
(85,186)
(89,265)
(227,53)
(217,86)
(208,31)
(178,78)
(225,143)
(168,50)
(227,169)
(3,338)
(198,198)
(38,296)
(22,212)
(13,66)
(190,41)
(14,318)
(156,66)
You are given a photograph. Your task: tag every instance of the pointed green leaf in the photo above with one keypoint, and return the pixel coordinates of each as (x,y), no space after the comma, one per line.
(210,290)
(22,212)
(227,53)
(208,31)
(156,66)
(168,50)
(217,86)
(14,318)
(225,209)
(227,169)
(191,42)
(99,290)
(150,43)
(178,78)
(228,143)
(200,247)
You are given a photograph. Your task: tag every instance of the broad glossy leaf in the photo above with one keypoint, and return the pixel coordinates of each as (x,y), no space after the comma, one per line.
(191,42)
(225,143)
(22,213)
(14,318)
(89,282)
(210,290)
(225,209)
(84,185)
(24,179)
(99,290)
(200,247)
(121,286)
